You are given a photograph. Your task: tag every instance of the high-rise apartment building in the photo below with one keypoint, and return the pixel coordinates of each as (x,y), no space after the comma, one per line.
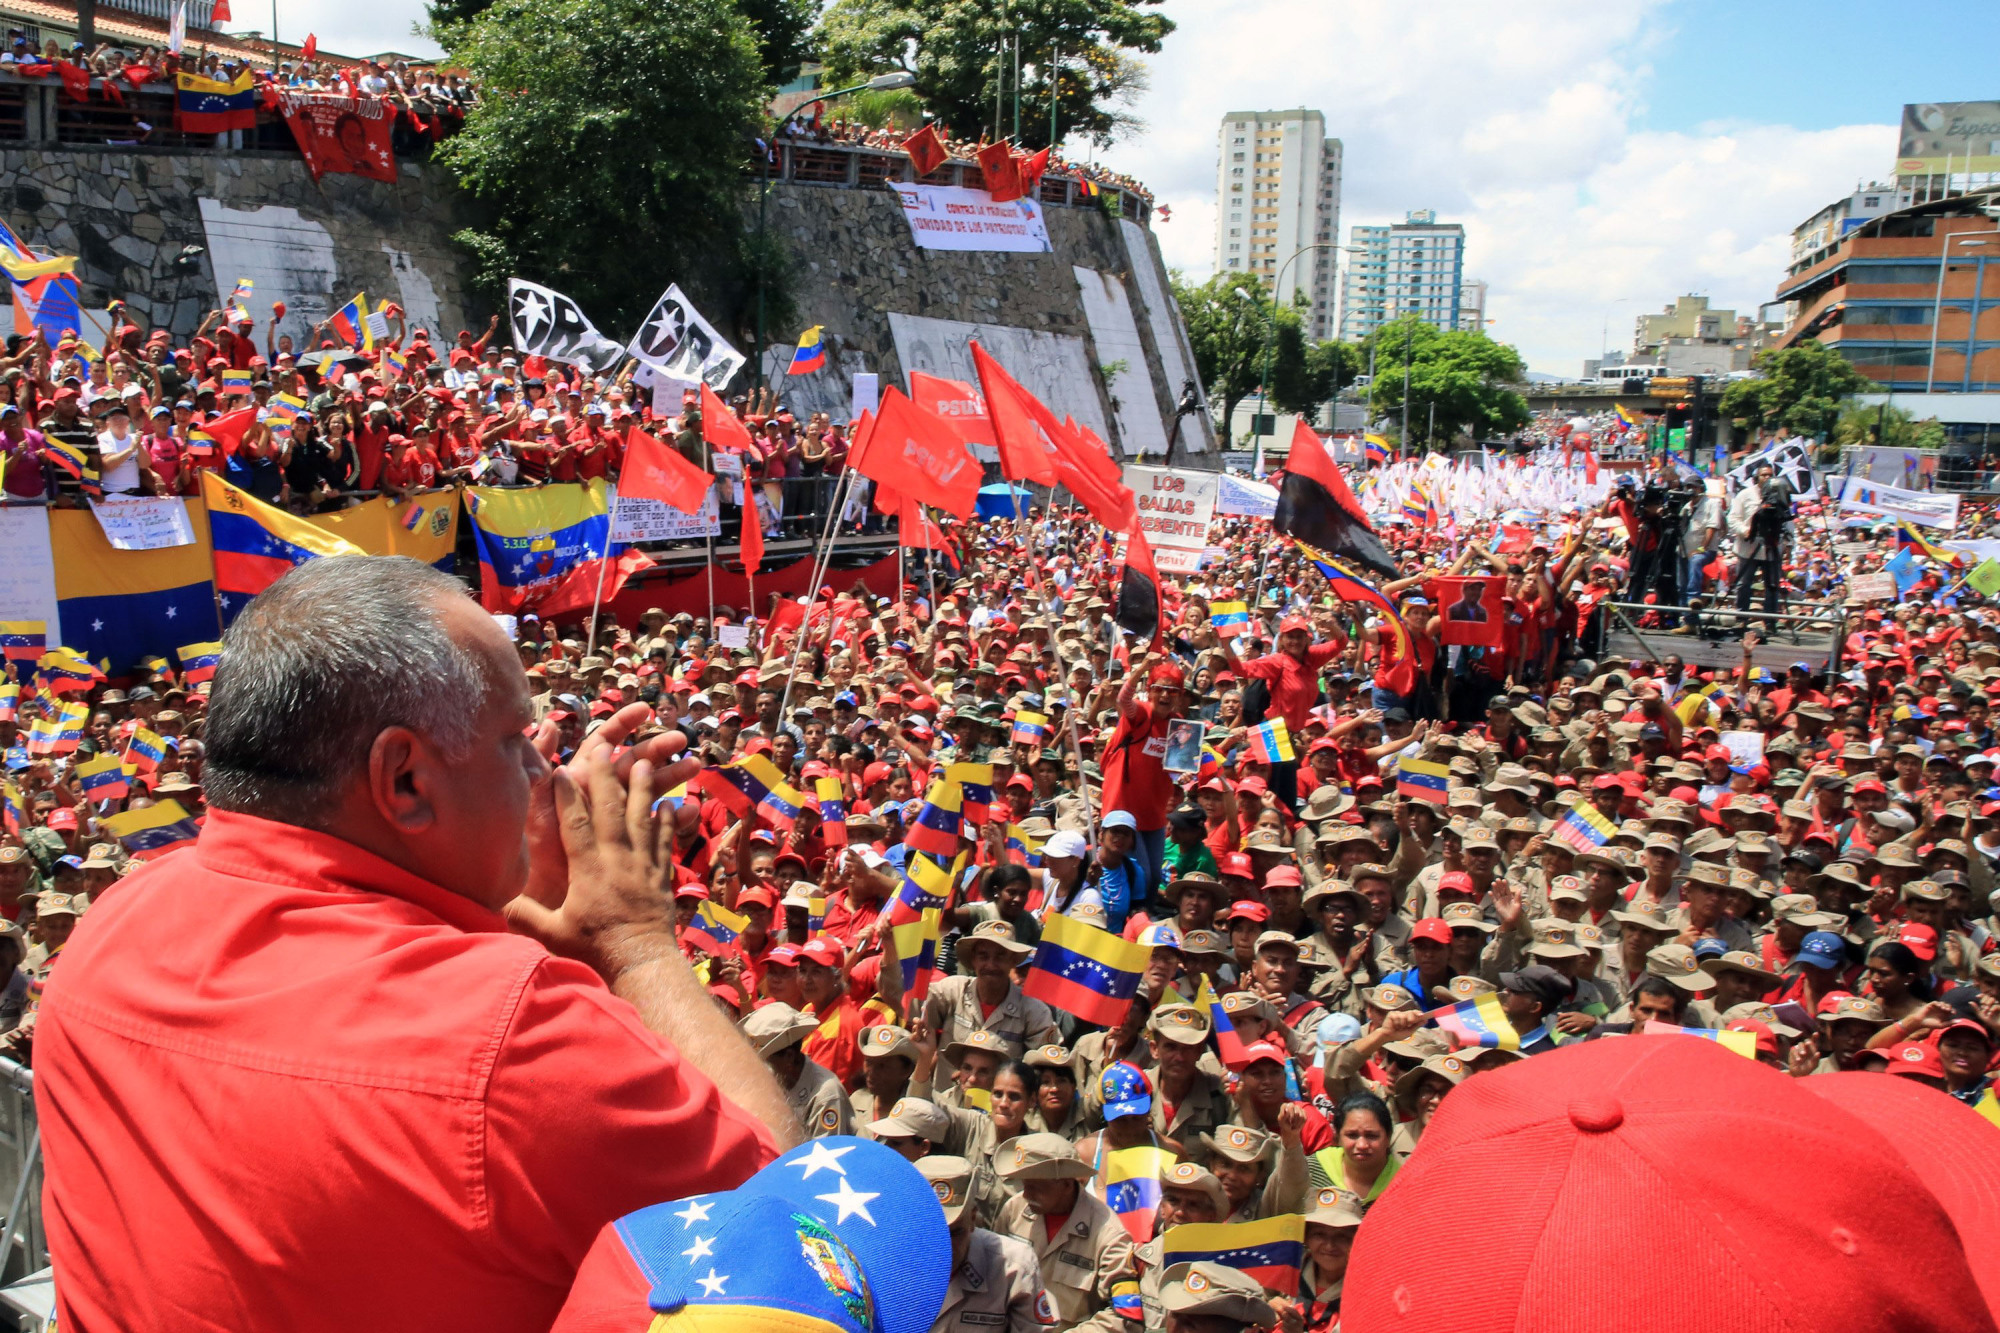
(1277,191)
(1416,265)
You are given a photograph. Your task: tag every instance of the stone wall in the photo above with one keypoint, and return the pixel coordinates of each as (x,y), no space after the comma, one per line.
(127,215)
(1088,326)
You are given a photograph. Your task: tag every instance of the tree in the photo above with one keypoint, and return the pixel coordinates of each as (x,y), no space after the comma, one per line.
(1890,427)
(1801,390)
(1229,322)
(1463,374)
(782,27)
(959,51)
(610,147)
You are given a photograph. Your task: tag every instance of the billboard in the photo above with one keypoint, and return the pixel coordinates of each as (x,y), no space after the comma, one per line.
(1965,136)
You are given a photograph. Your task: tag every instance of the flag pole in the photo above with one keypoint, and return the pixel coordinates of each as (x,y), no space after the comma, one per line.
(603,564)
(821,558)
(1076,749)
(709,540)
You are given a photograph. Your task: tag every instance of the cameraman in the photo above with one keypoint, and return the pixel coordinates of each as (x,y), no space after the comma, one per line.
(1704,534)
(1757,519)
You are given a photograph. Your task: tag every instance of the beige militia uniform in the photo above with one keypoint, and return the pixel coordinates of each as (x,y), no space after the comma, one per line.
(952,1010)
(819,1102)
(998,1286)
(1080,1263)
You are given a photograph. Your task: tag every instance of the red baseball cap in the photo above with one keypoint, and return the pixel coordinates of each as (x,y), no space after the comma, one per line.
(1868,784)
(754,895)
(1290,623)
(61,819)
(1432,928)
(1261,1050)
(1237,864)
(1919,939)
(785,955)
(1282,876)
(1546,1149)
(822,949)
(1454,881)
(1915,1059)
(1721,752)
(1247,911)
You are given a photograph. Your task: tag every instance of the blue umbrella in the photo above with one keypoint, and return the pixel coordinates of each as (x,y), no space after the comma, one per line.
(998,500)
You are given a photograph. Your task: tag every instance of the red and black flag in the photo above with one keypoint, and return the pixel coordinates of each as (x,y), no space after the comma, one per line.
(1316,508)
(1140,611)
(1001,172)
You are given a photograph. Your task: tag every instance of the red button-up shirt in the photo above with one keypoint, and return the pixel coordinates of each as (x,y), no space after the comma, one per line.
(285,1084)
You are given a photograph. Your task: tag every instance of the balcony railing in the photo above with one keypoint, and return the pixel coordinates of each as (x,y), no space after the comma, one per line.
(200,13)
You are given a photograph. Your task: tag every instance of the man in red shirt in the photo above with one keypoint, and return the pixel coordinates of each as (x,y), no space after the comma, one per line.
(416,1041)
(1135,775)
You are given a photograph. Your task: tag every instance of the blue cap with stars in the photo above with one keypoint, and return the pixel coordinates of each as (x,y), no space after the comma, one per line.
(841,1235)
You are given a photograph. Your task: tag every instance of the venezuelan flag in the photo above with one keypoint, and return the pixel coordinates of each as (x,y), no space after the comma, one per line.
(1349,586)
(1694,706)
(1627,418)
(14,808)
(102,779)
(1482,1022)
(1228,1044)
(527,539)
(1085,971)
(1988,1105)
(237,382)
(1030,728)
(146,751)
(811,353)
(1126,1300)
(1417,503)
(975,782)
(1423,780)
(916,951)
(1023,849)
(1132,1187)
(210,106)
(281,411)
(23,640)
(198,661)
(64,671)
(1271,1250)
(350,324)
(1584,827)
(128,605)
(153,831)
(1909,539)
(256,544)
(67,730)
(23,265)
(1743,1043)
(832,810)
(1272,742)
(1376,447)
(1229,618)
(753,784)
(10,701)
(940,823)
(715,929)
(926,886)
(70,459)
(394,362)
(1211,764)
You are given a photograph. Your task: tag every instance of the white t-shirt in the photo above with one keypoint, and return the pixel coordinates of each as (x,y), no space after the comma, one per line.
(122,479)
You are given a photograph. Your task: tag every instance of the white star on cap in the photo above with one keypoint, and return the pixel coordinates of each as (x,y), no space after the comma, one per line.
(712,1285)
(823,1156)
(849,1201)
(696,1211)
(703,1248)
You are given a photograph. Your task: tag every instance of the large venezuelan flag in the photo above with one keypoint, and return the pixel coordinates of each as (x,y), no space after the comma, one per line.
(1085,971)
(1270,1250)
(255,544)
(129,605)
(425,527)
(528,539)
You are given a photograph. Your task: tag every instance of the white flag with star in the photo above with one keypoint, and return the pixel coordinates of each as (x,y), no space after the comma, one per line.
(677,345)
(547,323)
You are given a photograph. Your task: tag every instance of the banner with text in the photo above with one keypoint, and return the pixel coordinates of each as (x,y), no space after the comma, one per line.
(342,134)
(640,520)
(1174,510)
(947,217)
(144,524)
(1871,499)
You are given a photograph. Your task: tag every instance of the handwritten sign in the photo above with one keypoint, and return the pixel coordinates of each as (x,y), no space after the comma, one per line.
(641,520)
(1746,748)
(144,524)
(1175,507)
(1877,587)
(732,637)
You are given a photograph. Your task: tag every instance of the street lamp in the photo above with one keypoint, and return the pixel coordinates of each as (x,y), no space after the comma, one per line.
(880,83)
(1271,329)
(1937,302)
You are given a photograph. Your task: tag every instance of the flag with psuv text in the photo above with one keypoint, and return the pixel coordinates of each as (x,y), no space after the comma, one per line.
(652,471)
(548,324)
(919,455)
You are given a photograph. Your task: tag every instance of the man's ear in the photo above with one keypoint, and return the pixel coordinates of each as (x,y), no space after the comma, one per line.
(402,778)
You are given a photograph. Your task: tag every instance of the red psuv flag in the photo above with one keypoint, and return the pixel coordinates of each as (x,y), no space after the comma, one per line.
(654,472)
(926,150)
(919,455)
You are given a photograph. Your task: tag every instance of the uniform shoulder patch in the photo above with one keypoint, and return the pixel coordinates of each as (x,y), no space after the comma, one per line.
(829,1119)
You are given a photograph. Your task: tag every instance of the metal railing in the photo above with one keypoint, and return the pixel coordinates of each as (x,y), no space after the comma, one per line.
(200,13)
(23,1244)
(862,166)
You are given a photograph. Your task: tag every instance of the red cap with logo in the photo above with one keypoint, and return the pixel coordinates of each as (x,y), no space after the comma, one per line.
(822,949)
(1600,1140)
(1433,928)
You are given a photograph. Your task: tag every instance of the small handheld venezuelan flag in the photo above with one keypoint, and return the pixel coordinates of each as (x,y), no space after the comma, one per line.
(153,831)
(102,779)
(1423,780)
(832,811)
(1272,742)
(1585,827)
(1229,618)
(24,640)
(1030,728)
(198,661)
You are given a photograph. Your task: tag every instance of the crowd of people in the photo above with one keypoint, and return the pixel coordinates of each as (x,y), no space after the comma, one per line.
(1797,868)
(892,138)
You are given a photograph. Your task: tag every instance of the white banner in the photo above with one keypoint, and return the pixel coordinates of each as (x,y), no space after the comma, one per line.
(1241,496)
(948,217)
(677,344)
(28,569)
(1932,509)
(640,520)
(1174,509)
(144,524)
(547,323)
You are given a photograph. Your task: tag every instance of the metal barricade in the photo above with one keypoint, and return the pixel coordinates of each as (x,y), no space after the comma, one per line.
(22,1239)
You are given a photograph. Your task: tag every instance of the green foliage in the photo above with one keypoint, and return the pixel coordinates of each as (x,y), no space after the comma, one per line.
(784,34)
(897,108)
(609,148)
(445,14)
(1231,336)
(1801,390)
(954,48)
(1859,425)
(1464,374)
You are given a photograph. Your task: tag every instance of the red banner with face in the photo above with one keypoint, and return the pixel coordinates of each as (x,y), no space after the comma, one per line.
(342,134)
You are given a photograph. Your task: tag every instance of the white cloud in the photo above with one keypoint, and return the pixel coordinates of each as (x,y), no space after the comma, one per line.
(1519,121)
(342,26)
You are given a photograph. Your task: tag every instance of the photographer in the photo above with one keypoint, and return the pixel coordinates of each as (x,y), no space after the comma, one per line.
(1757,518)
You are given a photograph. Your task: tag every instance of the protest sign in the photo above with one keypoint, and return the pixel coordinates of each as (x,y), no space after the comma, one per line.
(1174,510)
(641,520)
(948,217)
(144,524)
(1875,587)
(1240,496)
(732,637)
(1746,748)
(1871,499)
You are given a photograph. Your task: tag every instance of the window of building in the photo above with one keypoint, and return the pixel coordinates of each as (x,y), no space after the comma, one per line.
(1887,314)
(1893,272)
(1235,247)
(1888,356)
(1236,157)
(1236,171)
(1235,263)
